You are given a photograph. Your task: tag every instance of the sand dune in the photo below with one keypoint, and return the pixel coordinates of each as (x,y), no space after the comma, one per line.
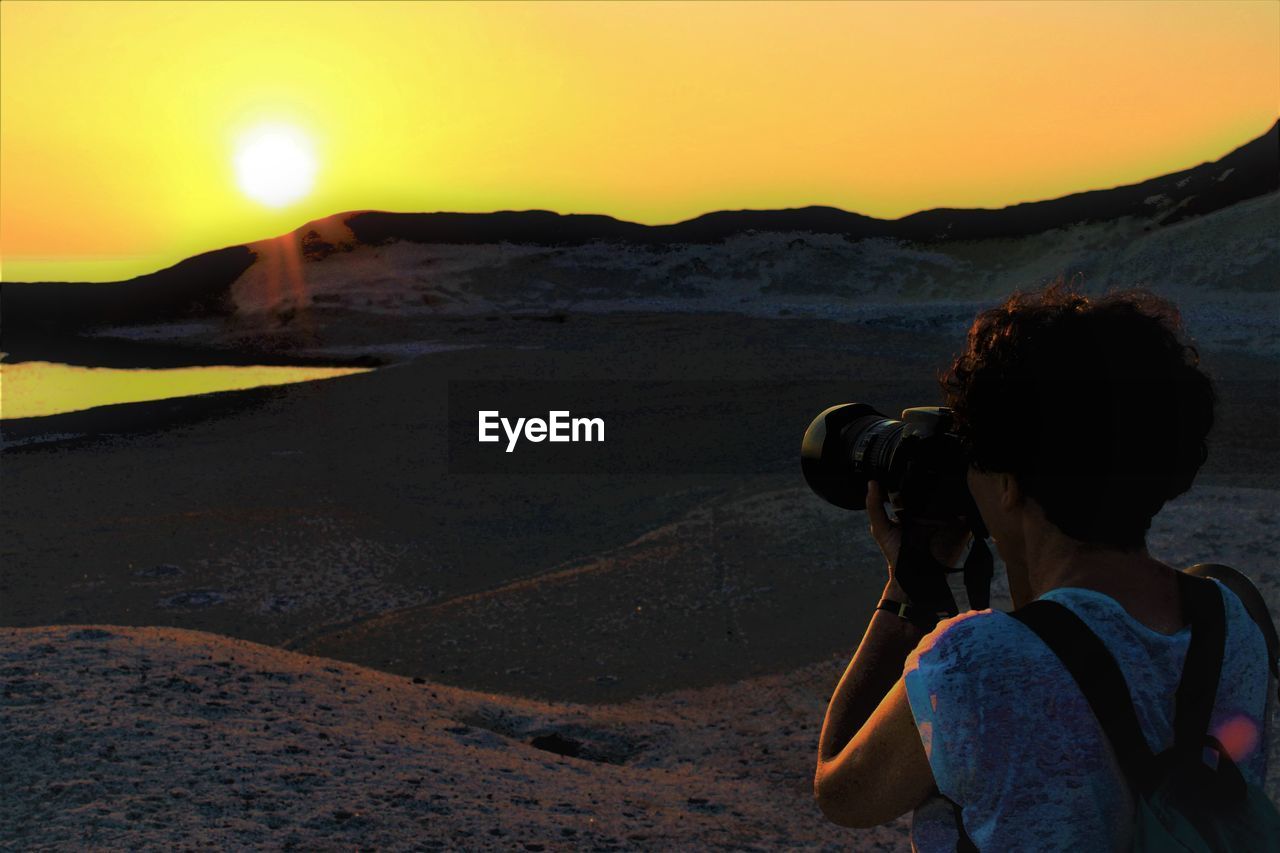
(126,737)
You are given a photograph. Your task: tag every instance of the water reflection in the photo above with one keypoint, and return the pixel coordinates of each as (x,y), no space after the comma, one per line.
(35,388)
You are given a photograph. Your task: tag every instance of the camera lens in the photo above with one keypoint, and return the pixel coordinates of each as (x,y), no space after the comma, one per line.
(917,461)
(874,439)
(846,446)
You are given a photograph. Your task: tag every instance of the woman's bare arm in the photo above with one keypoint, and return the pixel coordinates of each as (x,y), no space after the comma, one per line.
(872,765)
(871,762)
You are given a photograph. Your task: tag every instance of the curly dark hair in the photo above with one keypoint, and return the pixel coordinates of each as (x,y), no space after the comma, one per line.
(1098,407)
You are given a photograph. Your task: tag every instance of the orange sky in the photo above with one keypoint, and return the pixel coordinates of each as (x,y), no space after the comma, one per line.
(119,122)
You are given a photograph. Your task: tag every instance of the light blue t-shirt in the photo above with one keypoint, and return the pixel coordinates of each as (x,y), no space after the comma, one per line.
(1012,740)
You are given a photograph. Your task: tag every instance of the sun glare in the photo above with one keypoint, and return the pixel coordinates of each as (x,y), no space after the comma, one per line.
(275,165)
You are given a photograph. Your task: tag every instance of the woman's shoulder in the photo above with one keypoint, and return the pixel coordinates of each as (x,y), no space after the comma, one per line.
(975,637)
(1107,616)
(968,639)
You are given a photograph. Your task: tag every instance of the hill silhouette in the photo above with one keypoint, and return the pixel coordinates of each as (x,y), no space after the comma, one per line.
(200,286)
(1249,171)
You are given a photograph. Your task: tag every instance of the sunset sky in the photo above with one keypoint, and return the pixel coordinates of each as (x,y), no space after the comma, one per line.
(123,125)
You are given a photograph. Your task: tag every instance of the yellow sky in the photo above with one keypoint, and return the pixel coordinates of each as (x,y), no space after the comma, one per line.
(118,121)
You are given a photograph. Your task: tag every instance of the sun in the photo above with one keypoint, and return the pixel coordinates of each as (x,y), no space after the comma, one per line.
(275,165)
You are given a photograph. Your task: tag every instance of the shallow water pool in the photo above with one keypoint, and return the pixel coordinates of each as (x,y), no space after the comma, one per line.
(31,389)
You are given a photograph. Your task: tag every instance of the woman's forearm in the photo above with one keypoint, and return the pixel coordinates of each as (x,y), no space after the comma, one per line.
(875,668)
(877,664)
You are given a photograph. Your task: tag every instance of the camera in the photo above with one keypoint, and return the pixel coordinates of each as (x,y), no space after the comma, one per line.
(918,459)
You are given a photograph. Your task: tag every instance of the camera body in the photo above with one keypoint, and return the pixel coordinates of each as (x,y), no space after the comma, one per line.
(918,459)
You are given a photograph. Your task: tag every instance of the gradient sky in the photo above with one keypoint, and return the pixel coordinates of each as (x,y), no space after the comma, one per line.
(118,121)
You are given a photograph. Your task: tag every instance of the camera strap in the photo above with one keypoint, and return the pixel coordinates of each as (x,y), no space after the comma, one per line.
(978,569)
(924,579)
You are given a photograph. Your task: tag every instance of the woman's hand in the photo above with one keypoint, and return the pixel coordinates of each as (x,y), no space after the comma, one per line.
(946,539)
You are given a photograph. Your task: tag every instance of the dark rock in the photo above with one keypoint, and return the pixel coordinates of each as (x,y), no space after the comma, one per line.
(557,743)
(163,570)
(90,634)
(193,599)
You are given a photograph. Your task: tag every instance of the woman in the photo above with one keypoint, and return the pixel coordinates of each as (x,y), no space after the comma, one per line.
(1081,419)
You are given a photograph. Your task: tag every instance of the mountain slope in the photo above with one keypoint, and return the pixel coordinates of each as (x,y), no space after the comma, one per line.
(203,286)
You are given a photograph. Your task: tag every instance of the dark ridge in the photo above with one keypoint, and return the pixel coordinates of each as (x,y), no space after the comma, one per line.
(715,227)
(1251,170)
(545,228)
(196,287)
(1254,171)
(540,227)
(525,226)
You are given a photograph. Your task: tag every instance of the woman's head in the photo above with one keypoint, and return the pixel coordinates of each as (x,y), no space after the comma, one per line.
(1096,407)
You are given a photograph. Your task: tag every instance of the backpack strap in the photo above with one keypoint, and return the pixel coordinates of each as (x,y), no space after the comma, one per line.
(1256,606)
(1198,688)
(1100,680)
(1098,676)
(964,844)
